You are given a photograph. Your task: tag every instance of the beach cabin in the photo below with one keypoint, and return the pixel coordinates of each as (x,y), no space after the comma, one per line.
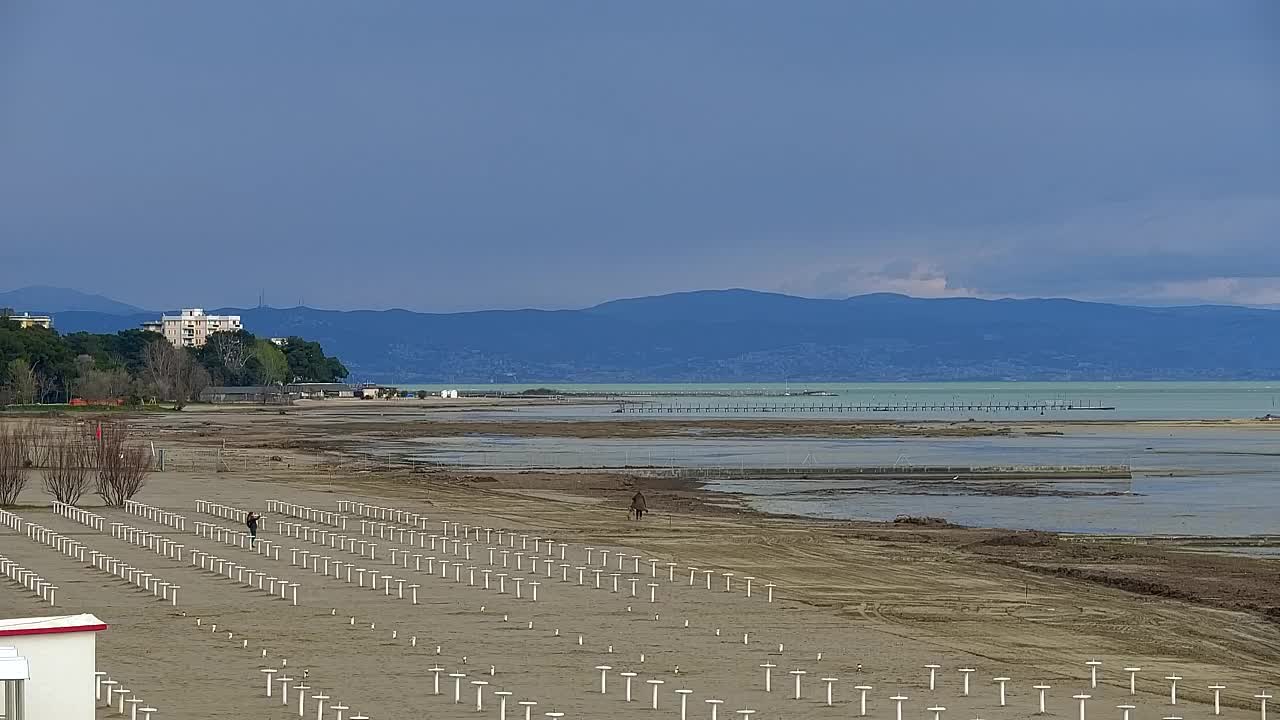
(58,657)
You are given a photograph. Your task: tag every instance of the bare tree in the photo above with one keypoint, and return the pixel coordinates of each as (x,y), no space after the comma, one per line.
(194,379)
(47,383)
(231,350)
(159,368)
(22,381)
(38,438)
(15,463)
(69,459)
(170,374)
(122,464)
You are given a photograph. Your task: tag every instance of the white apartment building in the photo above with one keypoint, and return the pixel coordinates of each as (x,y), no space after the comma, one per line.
(192,327)
(26,320)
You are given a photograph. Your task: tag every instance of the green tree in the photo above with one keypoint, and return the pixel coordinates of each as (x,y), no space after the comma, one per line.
(122,350)
(273,365)
(308,363)
(230,358)
(102,364)
(46,354)
(94,384)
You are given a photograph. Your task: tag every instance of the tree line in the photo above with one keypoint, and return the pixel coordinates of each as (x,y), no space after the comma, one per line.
(105,457)
(38,365)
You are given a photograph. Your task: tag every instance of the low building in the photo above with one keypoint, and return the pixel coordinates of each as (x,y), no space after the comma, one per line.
(192,327)
(27,320)
(60,654)
(15,672)
(322,390)
(275,394)
(259,394)
(370,390)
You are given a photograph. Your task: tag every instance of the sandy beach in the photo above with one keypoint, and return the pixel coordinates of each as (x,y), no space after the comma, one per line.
(878,601)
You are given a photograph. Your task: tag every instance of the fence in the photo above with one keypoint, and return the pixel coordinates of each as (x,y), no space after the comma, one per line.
(43,456)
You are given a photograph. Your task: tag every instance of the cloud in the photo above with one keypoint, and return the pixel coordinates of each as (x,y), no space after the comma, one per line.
(902,276)
(1174,247)
(1125,248)
(1256,291)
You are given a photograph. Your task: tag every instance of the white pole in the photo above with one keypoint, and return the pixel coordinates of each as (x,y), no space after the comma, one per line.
(1173,688)
(862,701)
(1042,688)
(1082,698)
(1217,697)
(768,676)
(1093,672)
(899,700)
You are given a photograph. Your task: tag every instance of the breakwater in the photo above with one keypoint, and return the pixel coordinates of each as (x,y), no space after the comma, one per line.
(857,408)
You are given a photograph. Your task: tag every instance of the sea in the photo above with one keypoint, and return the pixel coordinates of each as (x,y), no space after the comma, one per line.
(1208,481)
(1130,400)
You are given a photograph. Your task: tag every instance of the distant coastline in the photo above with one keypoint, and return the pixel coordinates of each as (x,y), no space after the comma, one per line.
(754,337)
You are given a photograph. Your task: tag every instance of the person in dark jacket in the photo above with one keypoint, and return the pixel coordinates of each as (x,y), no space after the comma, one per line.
(638,505)
(252,522)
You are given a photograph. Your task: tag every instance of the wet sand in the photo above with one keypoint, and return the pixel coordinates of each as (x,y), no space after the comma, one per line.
(889,597)
(333,437)
(438,418)
(887,605)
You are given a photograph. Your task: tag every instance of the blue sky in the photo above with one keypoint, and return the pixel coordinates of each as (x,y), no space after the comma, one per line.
(447,156)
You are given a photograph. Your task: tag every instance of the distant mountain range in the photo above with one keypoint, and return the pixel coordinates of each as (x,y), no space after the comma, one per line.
(742,335)
(44,299)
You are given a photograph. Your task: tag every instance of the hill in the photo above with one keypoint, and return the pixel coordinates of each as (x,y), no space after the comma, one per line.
(740,335)
(42,299)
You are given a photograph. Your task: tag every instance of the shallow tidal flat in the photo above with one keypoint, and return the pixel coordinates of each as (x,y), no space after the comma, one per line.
(1217,479)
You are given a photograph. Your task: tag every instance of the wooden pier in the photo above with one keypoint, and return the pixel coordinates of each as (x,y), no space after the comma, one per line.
(857,408)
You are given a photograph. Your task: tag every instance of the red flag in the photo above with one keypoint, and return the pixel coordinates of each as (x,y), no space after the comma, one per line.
(97,432)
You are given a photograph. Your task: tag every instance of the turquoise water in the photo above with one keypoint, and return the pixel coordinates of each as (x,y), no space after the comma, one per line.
(1187,481)
(1223,506)
(1131,400)
(1148,449)
(1218,481)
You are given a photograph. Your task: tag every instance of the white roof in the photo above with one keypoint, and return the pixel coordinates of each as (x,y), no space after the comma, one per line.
(84,622)
(13,667)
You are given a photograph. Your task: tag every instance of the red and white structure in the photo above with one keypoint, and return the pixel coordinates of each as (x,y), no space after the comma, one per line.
(60,658)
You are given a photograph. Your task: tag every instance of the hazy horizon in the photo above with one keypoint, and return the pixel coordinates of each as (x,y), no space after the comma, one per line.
(315,306)
(440,158)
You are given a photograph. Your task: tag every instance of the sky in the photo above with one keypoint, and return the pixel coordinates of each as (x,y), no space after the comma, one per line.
(496,154)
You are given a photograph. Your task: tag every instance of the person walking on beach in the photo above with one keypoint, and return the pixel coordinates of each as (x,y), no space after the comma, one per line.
(638,505)
(252,522)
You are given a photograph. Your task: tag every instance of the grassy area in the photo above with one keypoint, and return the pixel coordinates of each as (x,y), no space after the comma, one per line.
(61,408)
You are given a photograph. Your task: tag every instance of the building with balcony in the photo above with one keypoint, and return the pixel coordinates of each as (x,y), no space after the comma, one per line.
(26,320)
(192,327)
